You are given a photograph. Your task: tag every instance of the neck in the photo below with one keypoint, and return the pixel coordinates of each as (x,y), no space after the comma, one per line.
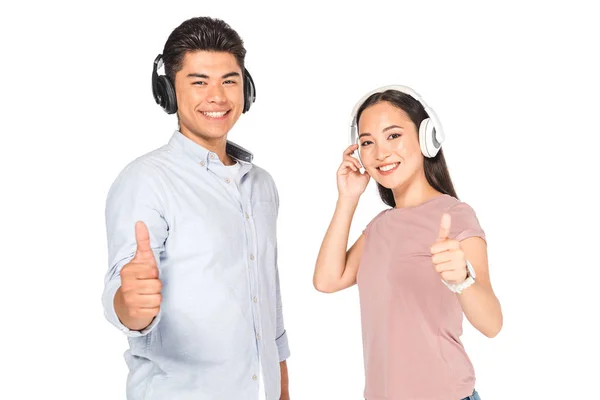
(215,145)
(414,192)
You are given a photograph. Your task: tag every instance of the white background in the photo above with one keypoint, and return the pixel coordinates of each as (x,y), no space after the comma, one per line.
(515,85)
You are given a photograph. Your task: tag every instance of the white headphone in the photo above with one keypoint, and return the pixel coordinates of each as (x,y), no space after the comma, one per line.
(431,134)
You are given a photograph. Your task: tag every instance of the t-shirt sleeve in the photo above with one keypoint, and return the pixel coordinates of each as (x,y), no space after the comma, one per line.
(370,224)
(464,222)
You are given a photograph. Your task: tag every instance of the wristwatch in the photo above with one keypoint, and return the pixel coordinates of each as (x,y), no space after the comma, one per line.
(459,287)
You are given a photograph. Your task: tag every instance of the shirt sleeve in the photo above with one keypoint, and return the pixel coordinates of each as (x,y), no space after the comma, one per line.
(281,338)
(133,196)
(281,335)
(370,224)
(464,222)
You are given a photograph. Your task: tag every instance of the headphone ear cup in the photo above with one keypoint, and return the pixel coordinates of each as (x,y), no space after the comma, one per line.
(249,91)
(168,99)
(427,138)
(358,152)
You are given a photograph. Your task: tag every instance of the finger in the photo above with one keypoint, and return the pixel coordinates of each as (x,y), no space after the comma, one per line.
(134,300)
(139,270)
(347,165)
(350,149)
(353,161)
(446,245)
(146,312)
(146,272)
(149,286)
(142,239)
(148,300)
(444,227)
(444,266)
(442,257)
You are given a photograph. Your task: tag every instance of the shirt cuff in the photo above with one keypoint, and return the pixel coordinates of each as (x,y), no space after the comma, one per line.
(283,347)
(111,315)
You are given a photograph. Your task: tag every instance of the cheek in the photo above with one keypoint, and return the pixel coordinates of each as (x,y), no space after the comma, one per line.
(238,102)
(367,159)
(409,151)
(188,99)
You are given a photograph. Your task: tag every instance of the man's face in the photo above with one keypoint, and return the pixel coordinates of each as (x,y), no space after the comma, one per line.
(210,95)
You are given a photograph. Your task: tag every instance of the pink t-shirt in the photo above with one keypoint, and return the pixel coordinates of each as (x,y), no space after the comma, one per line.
(411,321)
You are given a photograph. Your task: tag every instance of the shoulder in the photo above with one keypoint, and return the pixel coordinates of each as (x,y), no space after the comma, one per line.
(140,173)
(454,206)
(374,220)
(262,175)
(264,186)
(146,164)
(464,220)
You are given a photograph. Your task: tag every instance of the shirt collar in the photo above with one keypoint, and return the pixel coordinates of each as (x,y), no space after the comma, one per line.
(203,156)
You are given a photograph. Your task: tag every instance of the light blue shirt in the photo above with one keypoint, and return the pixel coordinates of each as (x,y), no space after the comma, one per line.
(216,250)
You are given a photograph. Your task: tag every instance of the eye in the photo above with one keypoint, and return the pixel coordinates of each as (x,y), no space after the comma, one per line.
(230,82)
(199,83)
(394,136)
(366,142)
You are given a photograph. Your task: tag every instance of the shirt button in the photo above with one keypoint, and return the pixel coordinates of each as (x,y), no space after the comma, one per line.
(252,256)
(202,163)
(255,299)
(246,215)
(212,155)
(227,180)
(254,377)
(257,337)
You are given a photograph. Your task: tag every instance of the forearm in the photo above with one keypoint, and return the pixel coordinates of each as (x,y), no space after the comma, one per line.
(331,261)
(285,393)
(131,322)
(482,308)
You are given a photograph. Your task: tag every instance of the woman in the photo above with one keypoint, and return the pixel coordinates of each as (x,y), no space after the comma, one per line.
(419,265)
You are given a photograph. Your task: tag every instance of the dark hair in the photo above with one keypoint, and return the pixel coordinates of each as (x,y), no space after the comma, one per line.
(435,168)
(201,33)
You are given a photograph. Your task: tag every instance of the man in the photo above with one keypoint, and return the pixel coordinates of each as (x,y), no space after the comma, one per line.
(192,278)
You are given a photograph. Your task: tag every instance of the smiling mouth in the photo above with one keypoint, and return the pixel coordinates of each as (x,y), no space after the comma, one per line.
(215,114)
(388,167)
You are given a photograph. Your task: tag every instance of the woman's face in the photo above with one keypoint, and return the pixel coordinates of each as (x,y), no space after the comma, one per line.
(389,145)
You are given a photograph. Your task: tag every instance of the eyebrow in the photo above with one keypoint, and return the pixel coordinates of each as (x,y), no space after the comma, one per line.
(392,127)
(204,76)
(385,130)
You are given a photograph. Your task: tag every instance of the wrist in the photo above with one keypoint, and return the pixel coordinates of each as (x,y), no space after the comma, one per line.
(348,200)
(467,282)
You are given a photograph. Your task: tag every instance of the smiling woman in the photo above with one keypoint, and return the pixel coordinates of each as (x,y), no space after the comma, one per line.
(418,265)
(409,114)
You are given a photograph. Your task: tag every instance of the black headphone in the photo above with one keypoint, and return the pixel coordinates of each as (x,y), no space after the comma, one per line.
(163,89)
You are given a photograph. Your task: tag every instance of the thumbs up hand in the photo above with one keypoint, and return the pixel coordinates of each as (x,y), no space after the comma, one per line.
(447,255)
(140,290)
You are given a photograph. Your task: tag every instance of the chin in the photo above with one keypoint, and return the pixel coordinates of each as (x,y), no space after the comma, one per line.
(392,183)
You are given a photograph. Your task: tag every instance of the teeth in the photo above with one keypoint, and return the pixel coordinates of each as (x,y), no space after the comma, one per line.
(388,167)
(214,114)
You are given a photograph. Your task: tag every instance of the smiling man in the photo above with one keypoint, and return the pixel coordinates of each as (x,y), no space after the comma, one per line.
(192,276)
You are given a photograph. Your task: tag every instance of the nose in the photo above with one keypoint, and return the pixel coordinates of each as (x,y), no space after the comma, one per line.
(215,94)
(383,152)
